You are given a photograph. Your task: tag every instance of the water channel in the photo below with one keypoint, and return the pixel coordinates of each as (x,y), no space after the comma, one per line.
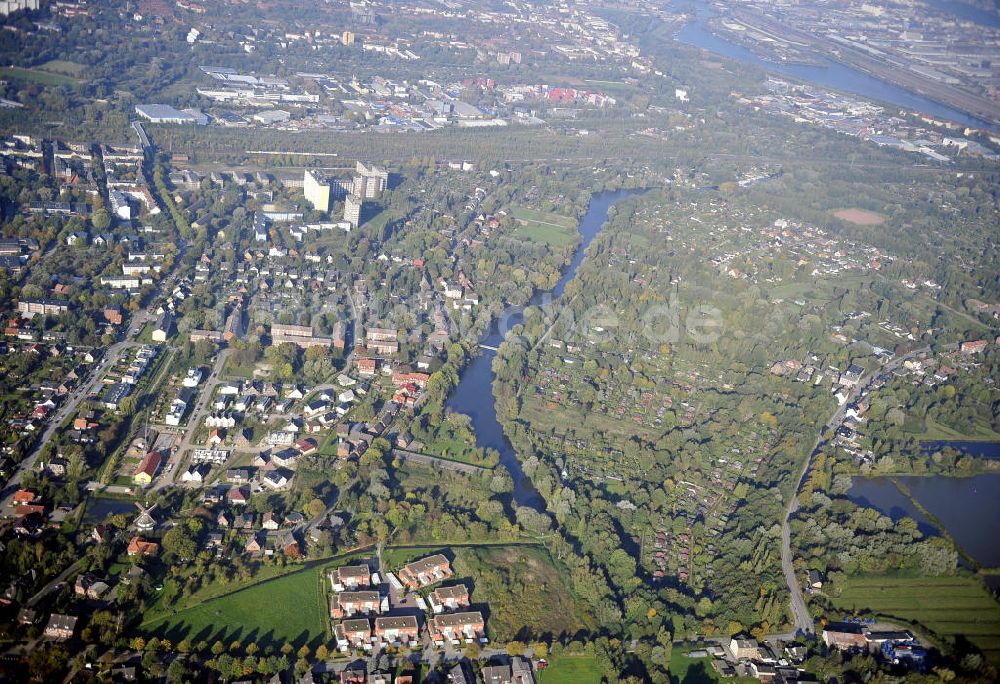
(831,75)
(474,394)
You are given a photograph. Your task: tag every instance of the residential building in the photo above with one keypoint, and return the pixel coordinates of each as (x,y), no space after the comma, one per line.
(497,674)
(300,335)
(426,571)
(140,547)
(449,598)
(456,627)
(370,181)
(354,633)
(60,627)
(46,307)
(351,577)
(348,603)
(352,210)
(741,649)
(316,188)
(401,629)
(161,329)
(973,346)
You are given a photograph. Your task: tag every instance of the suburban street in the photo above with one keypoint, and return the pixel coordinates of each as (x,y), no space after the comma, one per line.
(66,410)
(801,619)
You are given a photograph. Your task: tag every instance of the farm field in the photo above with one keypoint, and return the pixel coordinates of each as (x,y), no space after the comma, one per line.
(296,614)
(570,669)
(553,229)
(948,606)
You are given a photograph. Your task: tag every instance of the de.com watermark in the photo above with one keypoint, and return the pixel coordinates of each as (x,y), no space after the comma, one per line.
(665,323)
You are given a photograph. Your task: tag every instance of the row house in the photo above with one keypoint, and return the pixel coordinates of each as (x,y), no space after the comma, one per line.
(355,633)
(350,577)
(348,603)
(449,598)
(397,630)
(456,627)
(426,571)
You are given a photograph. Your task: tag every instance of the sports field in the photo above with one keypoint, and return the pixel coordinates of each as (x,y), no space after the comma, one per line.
(553,229)
(860,217)
(948,606)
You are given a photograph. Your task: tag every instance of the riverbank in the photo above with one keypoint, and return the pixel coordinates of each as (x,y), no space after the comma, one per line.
(836,75)
(474,396)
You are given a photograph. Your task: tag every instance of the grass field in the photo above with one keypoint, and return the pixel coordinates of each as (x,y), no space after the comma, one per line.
(553,229)
(570,669)
(948,606)
(977,432)
(693,670)
(37,76)
(505,578)
(62,66)
(289,609)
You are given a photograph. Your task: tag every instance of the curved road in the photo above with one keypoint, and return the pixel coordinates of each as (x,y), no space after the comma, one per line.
(801,619)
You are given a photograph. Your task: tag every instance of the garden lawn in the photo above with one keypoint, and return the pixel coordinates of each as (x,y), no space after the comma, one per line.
(947,606)
(289,609)
(571,669)
(690,670)
(553,229)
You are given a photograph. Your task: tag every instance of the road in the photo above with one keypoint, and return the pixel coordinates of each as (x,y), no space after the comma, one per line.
(801,619)
(205,395)
(54,584)
(66,410)
(442,462)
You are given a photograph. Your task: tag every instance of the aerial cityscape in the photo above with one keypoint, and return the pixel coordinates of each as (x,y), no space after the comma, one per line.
(500,341)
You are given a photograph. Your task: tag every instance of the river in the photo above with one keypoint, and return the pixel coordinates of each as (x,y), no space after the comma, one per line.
(474,394)
(832,75)
(967,507)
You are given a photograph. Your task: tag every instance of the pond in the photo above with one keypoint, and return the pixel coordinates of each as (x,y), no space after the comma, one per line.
(977,449)
(968,507)
(99,509)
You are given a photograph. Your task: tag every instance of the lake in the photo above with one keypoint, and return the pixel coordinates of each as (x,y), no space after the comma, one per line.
(831,75)
(474,394)
(977,449)
(967,507)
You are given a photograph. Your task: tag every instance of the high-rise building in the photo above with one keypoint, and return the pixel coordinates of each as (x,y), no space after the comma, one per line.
(347,38)
(10,6)
(352,210)
(316,188)
(370,181)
